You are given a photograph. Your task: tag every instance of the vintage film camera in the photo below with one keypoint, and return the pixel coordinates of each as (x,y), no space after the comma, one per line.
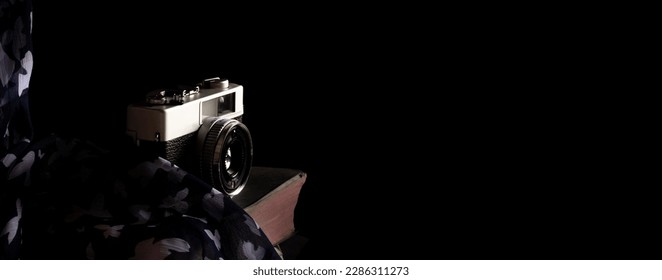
(199,129)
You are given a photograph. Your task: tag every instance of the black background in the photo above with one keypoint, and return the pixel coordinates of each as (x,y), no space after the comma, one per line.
(419,142)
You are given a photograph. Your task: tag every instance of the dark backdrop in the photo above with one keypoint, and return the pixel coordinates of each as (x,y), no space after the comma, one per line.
(419,142)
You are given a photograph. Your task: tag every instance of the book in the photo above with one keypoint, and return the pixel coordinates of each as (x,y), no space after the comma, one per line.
(270,197)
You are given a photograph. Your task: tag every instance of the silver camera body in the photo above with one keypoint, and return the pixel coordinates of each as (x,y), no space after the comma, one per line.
(198,129)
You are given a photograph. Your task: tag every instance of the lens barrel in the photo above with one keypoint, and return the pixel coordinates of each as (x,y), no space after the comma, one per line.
(226,154)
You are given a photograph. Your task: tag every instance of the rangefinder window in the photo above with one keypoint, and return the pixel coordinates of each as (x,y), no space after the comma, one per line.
(218,106)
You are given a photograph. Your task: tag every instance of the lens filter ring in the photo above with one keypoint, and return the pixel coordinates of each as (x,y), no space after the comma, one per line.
(226,155)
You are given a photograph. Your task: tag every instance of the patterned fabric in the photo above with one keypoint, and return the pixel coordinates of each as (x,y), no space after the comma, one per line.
(68,199)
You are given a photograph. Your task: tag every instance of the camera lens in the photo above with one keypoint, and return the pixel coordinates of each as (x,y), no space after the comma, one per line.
(226,154)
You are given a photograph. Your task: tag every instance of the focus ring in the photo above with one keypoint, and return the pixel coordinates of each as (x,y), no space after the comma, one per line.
(207,158)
